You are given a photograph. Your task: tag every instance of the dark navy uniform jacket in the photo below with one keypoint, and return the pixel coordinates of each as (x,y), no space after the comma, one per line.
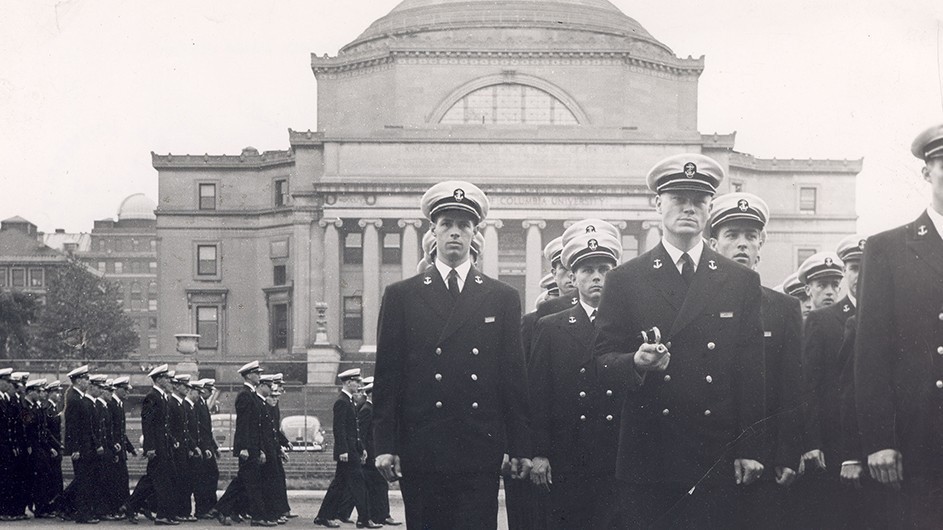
(821,372)
(782,334)
(899,347)
(575,411)
(450,387)
(547,307)
(346,433)
(705,408)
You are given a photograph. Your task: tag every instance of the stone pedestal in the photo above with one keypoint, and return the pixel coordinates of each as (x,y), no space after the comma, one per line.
(323,360)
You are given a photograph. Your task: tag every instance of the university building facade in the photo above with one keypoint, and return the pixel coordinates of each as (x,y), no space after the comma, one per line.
(556,110)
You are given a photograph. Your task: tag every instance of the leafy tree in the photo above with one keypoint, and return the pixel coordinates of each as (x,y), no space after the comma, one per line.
(82,319)
(17,311)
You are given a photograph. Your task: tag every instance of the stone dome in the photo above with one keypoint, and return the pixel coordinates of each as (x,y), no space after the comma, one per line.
(423,16)
(137,206)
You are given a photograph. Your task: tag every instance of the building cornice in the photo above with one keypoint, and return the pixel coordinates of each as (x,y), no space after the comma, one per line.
(795,165)
(267,159)
(327,65)
(525,189)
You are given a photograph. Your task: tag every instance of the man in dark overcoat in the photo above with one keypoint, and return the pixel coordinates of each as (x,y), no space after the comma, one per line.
(688,439)
(451,392)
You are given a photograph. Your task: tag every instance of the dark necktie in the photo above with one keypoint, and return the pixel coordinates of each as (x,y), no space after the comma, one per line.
(687,268)
(592,317)
(453,284)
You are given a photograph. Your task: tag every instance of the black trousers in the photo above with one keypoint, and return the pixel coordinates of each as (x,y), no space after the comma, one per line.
(671,506)
(581,500)
(528,507)
(459,501)
(244,493)
(378,493)
(348,479)
(82,498)
(205,480)
(47,481)
(155,490)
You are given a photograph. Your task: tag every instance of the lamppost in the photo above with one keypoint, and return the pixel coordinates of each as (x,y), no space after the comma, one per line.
(187,346)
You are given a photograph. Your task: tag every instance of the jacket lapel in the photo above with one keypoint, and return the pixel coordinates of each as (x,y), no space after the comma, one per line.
(434,292)
(577,324)
(925,242)
(666,278)
(473,294)
(709,274)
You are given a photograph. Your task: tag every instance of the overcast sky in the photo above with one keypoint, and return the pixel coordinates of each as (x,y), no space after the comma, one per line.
(89,88)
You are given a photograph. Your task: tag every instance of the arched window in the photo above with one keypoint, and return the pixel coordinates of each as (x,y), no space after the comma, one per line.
(509,104)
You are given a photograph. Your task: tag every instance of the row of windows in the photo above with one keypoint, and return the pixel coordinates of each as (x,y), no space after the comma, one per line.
(208,195)
(22,277)
(125,244)
(391,253)
(133,267)
(208,326)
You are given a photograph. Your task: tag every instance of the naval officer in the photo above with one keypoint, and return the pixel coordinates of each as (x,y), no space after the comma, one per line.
(695,391)
(899,351)
(451,393)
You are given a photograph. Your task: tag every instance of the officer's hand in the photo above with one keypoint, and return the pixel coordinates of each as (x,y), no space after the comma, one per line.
(150,454)
(785,475)
(506,465)
(262,457)
(747,471)
(207,454)
(76,455)
(851,474)
(342,457)
(364,456)
(244,454)
(388,465)
(540,473)
(652,358)
(520,467)
(100,451)
(53,453)
(887,467)
(811,460)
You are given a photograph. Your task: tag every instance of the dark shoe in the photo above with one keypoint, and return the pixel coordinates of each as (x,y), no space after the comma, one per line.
(325,522)
(88,521)
(346,521)
(187,519)
(262,523)
(223,520)
(289,515)
(165,521)
(132,518)
(368,524)
(389,521)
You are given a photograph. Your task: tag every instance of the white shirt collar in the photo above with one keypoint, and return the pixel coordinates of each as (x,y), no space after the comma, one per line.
(160,391)
(103,402)
(248,384)
(462,271)
(178,398)
(349,395)
(117,399)
(676,253)
(79,391)
(854,301)
(588,308)
(937,219)
(188,401)
(90,398)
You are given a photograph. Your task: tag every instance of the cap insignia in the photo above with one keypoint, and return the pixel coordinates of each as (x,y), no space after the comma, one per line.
(572,320)
(690,169)
(743,205)
(478,280)
(828,262)
(922,231)
(593,244)
(656,264)
(861,244)
(459,195)
(712,265)
(590,228)
(846,308)
(427,280)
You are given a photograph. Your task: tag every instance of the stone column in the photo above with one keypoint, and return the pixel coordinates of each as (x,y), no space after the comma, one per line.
(652,235)
(315,292)
(489,263)
(371,282)
(533,259)
(300,301)
(332,277)
(409,246)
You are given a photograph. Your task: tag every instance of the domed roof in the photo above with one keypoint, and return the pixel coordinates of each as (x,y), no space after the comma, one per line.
(137,206)
(414,16)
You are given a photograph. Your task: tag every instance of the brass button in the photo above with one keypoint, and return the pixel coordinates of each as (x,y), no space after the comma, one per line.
(711,345)
(582,370)
(474,351)
(709,379)
(707,412)
(582,394)
(438,351)
(668,345)
(438,377)
(667,378)
(941,316)
(609,417)
(665,412)
(608,392)
(582,417)
(474,377)
(475,405)
(438,404)
(939,384)
(940,350)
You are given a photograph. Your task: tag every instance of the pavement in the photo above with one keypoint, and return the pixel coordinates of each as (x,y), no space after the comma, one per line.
(305,503)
